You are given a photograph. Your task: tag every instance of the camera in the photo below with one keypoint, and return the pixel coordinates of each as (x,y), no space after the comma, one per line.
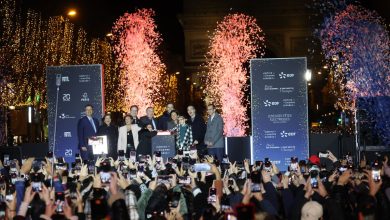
(267,165)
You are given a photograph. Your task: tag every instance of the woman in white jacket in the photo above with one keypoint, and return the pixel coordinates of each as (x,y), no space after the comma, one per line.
(128,136)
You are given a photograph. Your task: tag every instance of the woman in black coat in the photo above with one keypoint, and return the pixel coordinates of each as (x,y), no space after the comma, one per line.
(107,128)
(145,140)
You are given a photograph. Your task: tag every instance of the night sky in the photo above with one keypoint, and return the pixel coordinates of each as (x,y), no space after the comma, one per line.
(97,16)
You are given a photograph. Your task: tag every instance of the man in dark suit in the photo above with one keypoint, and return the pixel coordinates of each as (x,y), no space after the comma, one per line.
(134,115)
(86,128)
(165,117)
(214,134)
(149,119)
(198,129)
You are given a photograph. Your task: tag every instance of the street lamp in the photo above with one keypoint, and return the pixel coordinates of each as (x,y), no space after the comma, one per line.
(308,75)
(72,13)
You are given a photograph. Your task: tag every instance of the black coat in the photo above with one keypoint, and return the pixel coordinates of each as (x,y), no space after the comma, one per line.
(145,141)
(112,137)
(198,129)
(163,121)
(136,120)
(145,121)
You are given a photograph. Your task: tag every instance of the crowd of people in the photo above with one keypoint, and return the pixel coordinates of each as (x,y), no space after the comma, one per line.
(199,182)
(194,186)
(190,130)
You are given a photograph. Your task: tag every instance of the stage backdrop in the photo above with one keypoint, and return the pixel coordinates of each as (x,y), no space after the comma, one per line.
(78,85)
(279,110)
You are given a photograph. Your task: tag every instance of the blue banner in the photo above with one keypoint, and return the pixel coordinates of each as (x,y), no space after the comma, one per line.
(77,86)
(279,110)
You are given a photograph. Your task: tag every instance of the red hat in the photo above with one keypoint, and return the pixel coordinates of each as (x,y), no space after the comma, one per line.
(314,159)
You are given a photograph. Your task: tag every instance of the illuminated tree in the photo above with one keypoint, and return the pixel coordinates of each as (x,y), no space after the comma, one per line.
(29,43)
(236,40)
(135,44)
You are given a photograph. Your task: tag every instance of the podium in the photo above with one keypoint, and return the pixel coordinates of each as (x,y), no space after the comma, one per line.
(165,143)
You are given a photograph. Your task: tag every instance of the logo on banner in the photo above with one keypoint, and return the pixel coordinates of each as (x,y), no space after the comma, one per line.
(65,116)
(65,79)
(68,152)
(84,97)
(285,75)
(67,134)
(66,97)
(268,103)
(285,134)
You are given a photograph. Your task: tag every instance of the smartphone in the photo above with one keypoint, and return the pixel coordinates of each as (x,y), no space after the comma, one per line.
(313,179)
(157,155)
(6,159)
(258,163)
(267,165)
(59,201)
(256,181)
(256,187)
(36,186)
(50,156)
(376,175)
(140,168)
(121,155)
(132,173)
(164,179)
(175,199)
(105,177)
(91,168)
(133,156)
(225,159)
(199,167)
(184,179)
(212,195)
(9,192)
(323,154)
(294,167)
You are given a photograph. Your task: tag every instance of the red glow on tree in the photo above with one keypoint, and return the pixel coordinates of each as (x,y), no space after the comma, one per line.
(236,40)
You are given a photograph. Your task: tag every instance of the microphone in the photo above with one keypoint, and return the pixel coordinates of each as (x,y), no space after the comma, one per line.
(58,79)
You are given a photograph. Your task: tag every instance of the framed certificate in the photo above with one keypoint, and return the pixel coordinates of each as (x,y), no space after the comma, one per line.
(99,144)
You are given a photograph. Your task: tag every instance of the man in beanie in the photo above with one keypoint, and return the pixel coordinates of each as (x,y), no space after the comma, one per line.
(311,211)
